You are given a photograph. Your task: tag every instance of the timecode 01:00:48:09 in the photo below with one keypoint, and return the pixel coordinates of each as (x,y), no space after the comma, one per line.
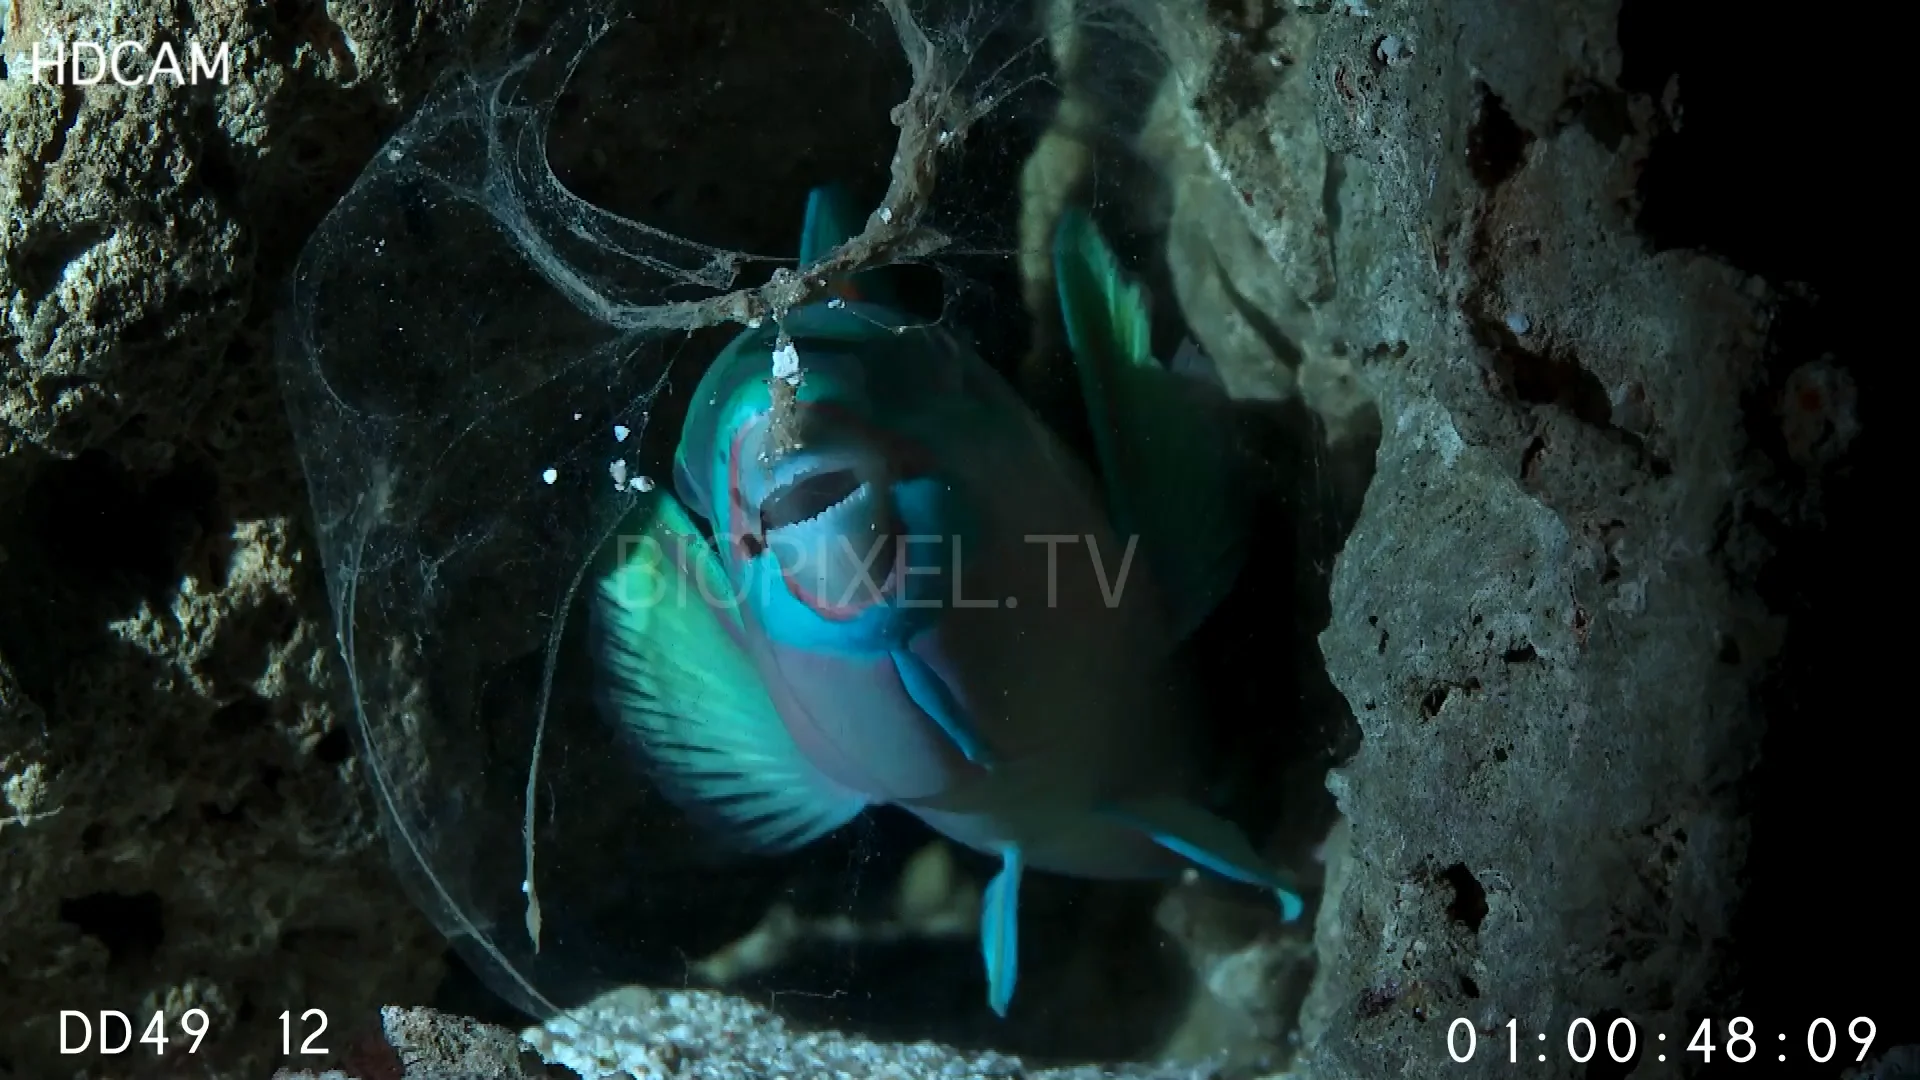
(1622,1040)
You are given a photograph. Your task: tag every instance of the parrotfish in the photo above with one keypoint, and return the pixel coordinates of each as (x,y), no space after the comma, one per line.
(915,594)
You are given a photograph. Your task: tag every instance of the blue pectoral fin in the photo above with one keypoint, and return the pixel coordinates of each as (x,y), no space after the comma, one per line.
(1000,930)
(832,220)
(1165,438)
(673,675)
(1209,843)
(929,691)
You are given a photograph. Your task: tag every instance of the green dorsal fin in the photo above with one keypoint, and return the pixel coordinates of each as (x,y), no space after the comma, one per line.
(832,220)
(1165,440)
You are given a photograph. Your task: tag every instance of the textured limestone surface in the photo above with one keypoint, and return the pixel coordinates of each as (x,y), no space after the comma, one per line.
(1537,618)
(184,826)
(1419,221)
(636,1034)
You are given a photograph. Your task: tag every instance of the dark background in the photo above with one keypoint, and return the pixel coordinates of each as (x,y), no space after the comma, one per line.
(1780,167)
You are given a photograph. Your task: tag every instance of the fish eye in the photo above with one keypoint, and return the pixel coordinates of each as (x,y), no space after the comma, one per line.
(807,498)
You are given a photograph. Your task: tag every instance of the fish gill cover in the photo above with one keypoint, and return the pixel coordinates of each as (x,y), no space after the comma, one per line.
(479,341)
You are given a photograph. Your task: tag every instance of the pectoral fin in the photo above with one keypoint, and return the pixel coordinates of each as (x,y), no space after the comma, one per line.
(1000,929)
(1209,843)
(1164,437)
(673,675)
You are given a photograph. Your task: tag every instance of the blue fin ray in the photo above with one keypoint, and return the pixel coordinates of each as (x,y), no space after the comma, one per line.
(1000,929)
(1210,843)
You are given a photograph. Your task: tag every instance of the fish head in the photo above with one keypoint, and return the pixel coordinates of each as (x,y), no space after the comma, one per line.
(824,506)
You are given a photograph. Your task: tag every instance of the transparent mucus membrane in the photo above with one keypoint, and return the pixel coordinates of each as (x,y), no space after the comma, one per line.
(488,353)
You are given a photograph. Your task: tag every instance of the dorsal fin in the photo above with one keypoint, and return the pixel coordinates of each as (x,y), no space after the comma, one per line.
(1164,438)
(832,219)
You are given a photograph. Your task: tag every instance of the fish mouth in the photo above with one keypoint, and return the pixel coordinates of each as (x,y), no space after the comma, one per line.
(807,498)
(833,538)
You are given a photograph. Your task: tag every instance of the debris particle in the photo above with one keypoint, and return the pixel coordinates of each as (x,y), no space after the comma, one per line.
(620,432)
(641,483)
(619,470)
(786,361)
(550,475)
(1519,323)
(1393,50)
(886,216)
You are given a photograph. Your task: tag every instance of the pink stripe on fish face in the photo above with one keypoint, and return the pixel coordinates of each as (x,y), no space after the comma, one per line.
(907,459)
(840,613)
(744,525)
